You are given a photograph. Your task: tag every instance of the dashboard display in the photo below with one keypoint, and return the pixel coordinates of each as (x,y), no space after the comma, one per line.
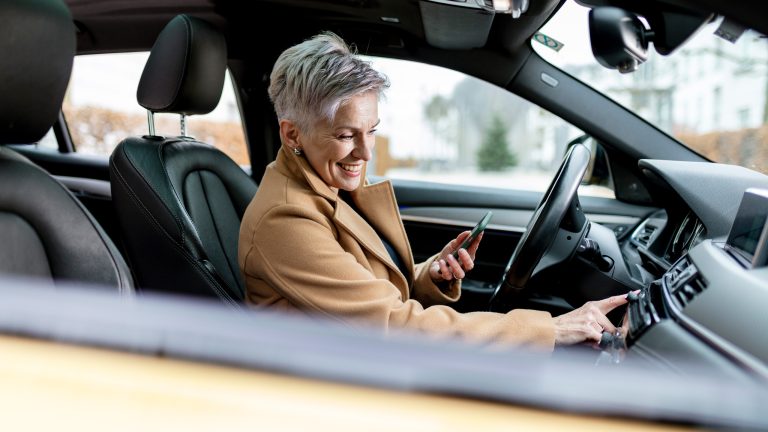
(748,233)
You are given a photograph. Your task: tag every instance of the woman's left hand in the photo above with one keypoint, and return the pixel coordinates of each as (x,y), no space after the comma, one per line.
(446,267)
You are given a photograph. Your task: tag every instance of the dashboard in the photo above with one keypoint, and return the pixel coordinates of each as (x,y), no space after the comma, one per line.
(661,241)
(701,263)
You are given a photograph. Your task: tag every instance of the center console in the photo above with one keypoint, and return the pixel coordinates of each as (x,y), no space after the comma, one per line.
(705,311)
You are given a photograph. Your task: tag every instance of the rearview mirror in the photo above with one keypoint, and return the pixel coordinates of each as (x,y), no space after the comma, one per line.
(619,39)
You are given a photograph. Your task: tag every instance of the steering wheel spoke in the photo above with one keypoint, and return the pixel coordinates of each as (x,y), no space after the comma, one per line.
(556,228)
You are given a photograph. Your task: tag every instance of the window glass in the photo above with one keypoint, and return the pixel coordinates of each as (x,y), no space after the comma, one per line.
(48,141)
(710,94)
(443,126)
(101,109)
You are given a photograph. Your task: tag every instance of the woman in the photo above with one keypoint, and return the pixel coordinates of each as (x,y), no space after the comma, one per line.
(318,238)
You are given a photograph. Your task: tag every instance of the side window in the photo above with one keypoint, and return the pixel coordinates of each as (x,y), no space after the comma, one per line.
(48,141)
(443,126)
(101,109)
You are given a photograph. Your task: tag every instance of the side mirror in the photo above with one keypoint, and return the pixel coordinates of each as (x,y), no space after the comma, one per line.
(619,39)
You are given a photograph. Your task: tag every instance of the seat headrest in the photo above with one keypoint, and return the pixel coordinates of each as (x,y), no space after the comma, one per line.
(37,46)
(185,70)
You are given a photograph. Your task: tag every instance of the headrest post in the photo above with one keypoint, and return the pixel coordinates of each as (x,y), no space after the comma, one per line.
(183,125)
(151,121)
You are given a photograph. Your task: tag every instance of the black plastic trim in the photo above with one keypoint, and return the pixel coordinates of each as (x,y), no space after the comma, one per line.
(66,164)
(413,193)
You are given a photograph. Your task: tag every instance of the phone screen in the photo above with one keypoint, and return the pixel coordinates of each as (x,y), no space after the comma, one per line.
(474,233)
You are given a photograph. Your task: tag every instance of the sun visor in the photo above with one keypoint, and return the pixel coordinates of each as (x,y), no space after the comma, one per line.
(450,24)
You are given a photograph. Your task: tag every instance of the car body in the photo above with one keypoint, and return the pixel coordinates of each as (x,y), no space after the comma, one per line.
(687,356)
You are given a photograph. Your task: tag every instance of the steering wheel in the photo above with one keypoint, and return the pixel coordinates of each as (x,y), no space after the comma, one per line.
(545,226)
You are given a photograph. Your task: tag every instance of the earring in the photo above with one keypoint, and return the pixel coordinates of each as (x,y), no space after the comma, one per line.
(297,151)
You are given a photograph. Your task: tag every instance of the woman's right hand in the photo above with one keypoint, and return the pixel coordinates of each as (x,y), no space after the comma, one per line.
(447,268)
(588,322)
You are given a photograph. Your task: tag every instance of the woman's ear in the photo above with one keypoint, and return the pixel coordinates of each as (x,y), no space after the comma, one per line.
(289,134)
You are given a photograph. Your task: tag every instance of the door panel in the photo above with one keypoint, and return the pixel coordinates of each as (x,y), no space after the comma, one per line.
(434,214)
(427,237)
(497,245)
(66,164)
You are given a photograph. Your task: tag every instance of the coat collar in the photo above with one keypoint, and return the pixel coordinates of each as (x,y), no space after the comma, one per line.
(297,167)
(376,202)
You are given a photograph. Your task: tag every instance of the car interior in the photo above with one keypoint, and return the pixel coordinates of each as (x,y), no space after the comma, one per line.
(182,200)
(683,235)
(36,206)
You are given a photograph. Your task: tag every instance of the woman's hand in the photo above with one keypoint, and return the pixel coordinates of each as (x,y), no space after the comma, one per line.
(588,322)
(446,267)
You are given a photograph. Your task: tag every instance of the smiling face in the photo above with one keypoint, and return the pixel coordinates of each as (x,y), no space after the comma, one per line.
(337,150)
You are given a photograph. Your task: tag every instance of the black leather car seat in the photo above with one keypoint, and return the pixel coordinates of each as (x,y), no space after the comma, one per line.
(45,232)
(179,201)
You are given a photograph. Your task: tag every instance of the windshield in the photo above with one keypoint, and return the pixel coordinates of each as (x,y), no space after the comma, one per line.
(709,94)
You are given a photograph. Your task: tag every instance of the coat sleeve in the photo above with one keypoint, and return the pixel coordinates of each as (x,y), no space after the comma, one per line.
(296,251)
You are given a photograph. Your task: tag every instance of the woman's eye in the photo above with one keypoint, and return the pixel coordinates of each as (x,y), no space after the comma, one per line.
(346,137)
(372,132)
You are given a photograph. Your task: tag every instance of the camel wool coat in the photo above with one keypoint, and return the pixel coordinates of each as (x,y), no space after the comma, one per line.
(302,248)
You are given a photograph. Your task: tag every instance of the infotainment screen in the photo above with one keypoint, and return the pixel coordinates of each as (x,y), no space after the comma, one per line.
(748,233)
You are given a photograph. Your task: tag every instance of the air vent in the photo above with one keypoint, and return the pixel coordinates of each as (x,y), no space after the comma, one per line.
(688,234)
(684,282)
(644,234)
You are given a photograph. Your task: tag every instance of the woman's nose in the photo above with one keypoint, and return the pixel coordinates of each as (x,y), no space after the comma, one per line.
(364,148)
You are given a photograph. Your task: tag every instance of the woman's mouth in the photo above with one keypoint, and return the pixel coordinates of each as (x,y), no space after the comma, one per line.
(351,169)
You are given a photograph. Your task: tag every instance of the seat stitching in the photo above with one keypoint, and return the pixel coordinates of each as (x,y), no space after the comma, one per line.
(145,210)
(135,196)
(215,226)
(179,201)
(160,157)
(222,294)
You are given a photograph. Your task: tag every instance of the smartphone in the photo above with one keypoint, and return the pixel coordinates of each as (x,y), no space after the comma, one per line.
(474,233)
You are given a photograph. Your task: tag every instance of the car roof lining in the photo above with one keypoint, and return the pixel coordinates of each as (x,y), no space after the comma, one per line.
(104,23)
(125,26)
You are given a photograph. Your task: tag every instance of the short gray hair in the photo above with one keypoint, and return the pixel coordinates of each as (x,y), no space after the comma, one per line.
(311,80)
